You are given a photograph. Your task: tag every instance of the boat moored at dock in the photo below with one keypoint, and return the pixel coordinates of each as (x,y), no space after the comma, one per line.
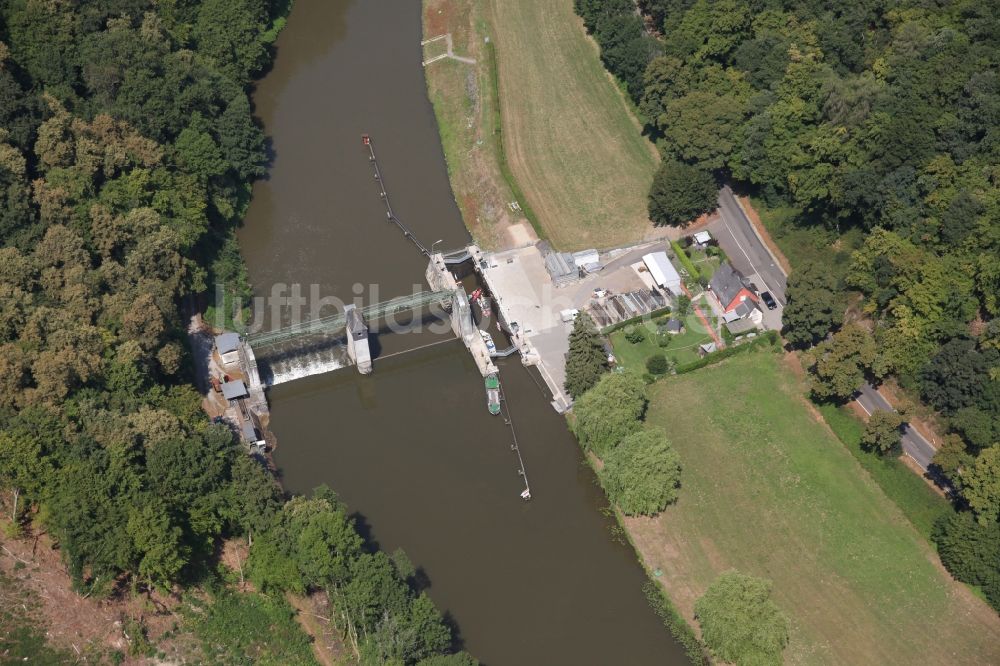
(493,394)
(491,346)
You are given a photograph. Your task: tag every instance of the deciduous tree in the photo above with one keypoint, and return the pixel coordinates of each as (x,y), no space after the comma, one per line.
(739,621)
(981,486)
(839,365)
(882,432)
(970,551)
(681,193)
(609,412)
(642,474)
(815,305)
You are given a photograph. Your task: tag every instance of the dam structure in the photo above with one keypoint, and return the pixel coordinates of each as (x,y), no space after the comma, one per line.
(343,339)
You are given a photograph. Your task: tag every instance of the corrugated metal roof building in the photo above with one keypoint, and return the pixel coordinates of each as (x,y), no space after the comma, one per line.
(663,272)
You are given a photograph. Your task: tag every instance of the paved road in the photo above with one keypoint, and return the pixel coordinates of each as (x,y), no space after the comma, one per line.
(748,254)
(914,444)
(746,251)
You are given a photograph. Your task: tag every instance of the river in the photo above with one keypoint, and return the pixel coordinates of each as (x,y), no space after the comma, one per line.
(411,448)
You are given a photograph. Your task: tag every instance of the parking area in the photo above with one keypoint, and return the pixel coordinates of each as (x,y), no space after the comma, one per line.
(538,311)
(772,318)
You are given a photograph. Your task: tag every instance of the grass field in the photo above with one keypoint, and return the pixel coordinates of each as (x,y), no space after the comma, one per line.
(909,491)
(572,144)
(769,490)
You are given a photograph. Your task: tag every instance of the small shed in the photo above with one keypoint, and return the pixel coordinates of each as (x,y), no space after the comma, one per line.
(561,267)
(740,326)
(674,326)
(228,345)
(706,348)
(234,390)
(702,238)
(250,434)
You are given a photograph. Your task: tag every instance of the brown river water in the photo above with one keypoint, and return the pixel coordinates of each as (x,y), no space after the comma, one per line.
(412,448)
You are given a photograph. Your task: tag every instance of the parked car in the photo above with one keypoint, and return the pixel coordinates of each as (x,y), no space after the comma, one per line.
(768,300)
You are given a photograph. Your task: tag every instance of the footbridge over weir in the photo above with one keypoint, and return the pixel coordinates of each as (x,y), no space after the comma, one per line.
(336,324)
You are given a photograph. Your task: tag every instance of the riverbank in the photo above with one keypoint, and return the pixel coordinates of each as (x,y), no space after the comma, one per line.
(534,131)
(466,104)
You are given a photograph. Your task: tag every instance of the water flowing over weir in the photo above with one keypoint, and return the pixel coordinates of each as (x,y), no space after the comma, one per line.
(411,448)
(326,356)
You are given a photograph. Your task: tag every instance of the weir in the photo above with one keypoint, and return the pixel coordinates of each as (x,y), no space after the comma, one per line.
(336,324)
(353,325)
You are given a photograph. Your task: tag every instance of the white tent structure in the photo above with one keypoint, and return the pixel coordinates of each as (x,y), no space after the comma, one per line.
(663,272)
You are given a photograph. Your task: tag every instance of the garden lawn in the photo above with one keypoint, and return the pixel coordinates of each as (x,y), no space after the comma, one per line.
(683,347)
(704,262)
(572,143)
(769,490)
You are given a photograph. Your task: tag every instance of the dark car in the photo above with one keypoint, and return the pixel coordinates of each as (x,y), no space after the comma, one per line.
(768,300)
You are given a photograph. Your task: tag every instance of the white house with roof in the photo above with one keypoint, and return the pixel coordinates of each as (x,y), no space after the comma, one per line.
(228,345)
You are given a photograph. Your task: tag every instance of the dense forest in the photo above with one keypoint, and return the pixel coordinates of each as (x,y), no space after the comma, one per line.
(127,152)
(878,124)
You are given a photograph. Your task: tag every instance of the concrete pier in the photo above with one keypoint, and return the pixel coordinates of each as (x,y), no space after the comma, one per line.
(439,277)
(528,307)
(357,340)
(248,363)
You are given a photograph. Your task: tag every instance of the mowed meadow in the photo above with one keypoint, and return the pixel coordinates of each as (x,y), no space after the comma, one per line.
(572,143)
(769,490)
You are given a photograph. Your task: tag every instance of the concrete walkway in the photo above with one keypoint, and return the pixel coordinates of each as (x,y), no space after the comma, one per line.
(449,53)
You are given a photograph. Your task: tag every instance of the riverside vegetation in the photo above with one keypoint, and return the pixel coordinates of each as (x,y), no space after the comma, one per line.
(641,472)
(867,133)
(126,159)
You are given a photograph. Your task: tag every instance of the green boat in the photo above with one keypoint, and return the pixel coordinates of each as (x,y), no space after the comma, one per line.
(493,393)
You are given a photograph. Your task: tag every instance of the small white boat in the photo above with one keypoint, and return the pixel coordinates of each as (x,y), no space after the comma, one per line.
(488,339)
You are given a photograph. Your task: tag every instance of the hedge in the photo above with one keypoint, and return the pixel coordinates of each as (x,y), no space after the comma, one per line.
(771,338)
(685,261)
